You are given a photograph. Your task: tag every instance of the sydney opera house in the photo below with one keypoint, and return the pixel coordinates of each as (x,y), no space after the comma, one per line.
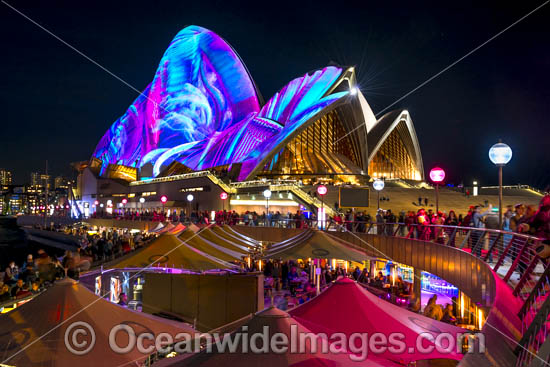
(202,112)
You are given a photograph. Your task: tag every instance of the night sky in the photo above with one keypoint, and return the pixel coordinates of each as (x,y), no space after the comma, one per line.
(56,104)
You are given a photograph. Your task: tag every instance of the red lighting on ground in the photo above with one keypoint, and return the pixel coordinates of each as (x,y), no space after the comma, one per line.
(124,201)
(437,174)
(224,196)
(322,190)
(163,199)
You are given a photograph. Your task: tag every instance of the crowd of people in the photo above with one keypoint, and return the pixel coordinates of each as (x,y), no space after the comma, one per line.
(519,218)
(31,278)
(40,271)
(290,283)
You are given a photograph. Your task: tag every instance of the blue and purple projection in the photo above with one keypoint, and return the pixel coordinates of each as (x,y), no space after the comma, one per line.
(202,110)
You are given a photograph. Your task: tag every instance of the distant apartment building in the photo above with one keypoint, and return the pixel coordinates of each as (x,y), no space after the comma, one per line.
(5,177)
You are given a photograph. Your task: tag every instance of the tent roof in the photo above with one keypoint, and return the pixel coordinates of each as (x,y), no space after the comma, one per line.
(277,321)
(37,328)
(315,244)
(193,227)
(167,228)
(353,309)
(232,235)
(211,248)
(212,236)
(157,228)
(177,229)
(171,251)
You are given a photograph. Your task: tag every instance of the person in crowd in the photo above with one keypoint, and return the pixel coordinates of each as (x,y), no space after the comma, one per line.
(364,276)
(5,294)
(423,221)
(402,287)
(478,222)
(23,292)
(390,219)
(517,218)
(380,280)
(17,288)
(432,309)
(491,222)
(539,223)
(303,298)
(35,288)
(123,299)
(380,221)
(26,263)
(448,316)
(414,304)
(11,273)
(356,273)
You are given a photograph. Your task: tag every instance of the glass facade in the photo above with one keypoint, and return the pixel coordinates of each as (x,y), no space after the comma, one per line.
(396,157)
(320,149)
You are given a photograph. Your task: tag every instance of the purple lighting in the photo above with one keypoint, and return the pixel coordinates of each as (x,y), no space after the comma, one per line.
(202,110)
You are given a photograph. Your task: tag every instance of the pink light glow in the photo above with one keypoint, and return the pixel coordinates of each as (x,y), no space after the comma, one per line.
(163,199)
(124,201)
(322,190)
(437,174)
(223,195)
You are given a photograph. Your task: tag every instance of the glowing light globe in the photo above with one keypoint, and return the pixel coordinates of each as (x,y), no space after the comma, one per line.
(124,201)
(190,197)
(322,190)
(223,195)
(500,154)
(142,200)
(378,185)
(267,193)
(437,174)
(164,199)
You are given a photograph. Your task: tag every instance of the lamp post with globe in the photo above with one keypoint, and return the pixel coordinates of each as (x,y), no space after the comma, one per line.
(267,195)
(190,199)
(224,197)
(322,191)
(437,175)
(141,201)
(378,185)
(500,154)
(163,200)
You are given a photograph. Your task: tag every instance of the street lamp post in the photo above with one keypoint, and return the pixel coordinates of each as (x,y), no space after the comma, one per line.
(124,202)
(224,197)
(163,200)
(437,175)
(267,195)
(322,191)
(190,198)
(141,201)
(378,185)
(500,154)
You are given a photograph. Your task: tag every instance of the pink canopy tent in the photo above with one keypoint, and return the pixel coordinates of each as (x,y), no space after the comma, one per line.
(346,307)
(35,334)
(277,321)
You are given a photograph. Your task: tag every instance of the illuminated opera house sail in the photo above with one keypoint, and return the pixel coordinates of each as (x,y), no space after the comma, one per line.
(203,111)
